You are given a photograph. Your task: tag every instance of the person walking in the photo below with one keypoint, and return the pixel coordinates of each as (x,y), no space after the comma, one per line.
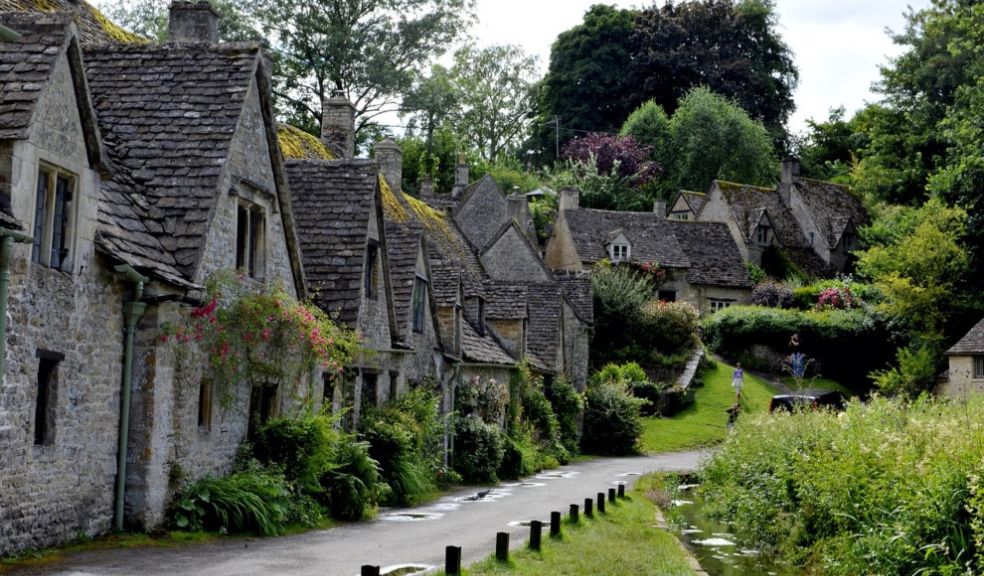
(737,381)
(733,411)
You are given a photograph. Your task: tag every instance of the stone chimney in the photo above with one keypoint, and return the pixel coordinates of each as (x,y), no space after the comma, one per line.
(570,199)
(460,176)
(659,208)
(518,209)
(426,186)
(390,160)
(790,174)
(192,21)
(338,126)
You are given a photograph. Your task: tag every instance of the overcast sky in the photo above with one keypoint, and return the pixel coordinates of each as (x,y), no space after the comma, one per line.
(838,44)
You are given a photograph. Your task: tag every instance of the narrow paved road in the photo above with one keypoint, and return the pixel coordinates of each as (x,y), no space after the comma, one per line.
(416,536)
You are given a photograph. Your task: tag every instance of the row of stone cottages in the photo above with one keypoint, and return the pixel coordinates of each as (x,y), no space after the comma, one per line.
(131,173)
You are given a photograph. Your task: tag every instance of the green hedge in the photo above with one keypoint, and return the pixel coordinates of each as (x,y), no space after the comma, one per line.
(845,344)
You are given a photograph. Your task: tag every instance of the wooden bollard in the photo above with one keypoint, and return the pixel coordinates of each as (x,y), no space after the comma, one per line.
(554,524)
(574,515)
(368,570)
(536,531)
(621,490)
(452,560)
(502,546)
(611,495)
(588,507)
(601,502)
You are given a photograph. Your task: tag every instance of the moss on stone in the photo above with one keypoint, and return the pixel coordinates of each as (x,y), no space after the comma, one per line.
(299,145)
(113,30)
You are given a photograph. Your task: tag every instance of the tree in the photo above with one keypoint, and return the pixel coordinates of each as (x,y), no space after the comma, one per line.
(430,103)
(711,137)
(650,127)
(829,147)
(494,90)
(612,172)
(369,50)
(149,18)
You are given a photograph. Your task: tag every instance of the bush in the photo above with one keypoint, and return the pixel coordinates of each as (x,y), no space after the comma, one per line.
(538,415)
(808,297)
(889,487)
(773,295)
(612,424)
(248,501)
(567,406)
(301,447)
(668,327)
(350,489)
(914,372)
(478,450)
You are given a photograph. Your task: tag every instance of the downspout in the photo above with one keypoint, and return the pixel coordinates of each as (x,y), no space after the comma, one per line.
(8,35)
(7,239)
(133,310)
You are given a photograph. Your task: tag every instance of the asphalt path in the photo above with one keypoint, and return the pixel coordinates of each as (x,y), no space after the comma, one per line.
(415,536)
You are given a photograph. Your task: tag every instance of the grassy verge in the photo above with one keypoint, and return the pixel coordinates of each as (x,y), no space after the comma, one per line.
(704,422)
(623,541)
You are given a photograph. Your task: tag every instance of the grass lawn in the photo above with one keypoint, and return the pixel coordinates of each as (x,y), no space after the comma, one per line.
(704,422)
(623,541)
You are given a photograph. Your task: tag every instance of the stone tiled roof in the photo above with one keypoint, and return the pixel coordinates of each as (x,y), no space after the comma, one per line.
(444,284)
(747,203)
(296,144)
(714,257)
(650,236)
(93,26)
(832,207)
(25,66)
(168,116)
(576,287)
(971,343)
(402,247)
(544,325)
(506,300)
(332,206)
(482,349)
(695,200)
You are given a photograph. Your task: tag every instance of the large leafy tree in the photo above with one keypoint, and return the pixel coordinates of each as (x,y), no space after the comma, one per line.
(149,18)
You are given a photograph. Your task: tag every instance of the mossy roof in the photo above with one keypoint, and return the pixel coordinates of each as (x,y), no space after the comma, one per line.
(296,144)
(94,26)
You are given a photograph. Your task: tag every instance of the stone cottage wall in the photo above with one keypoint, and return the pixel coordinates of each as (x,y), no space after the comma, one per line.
(577,339)
(511,258)
(960,383)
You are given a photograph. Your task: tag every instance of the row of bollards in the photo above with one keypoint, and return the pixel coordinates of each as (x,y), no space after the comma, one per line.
(452,554)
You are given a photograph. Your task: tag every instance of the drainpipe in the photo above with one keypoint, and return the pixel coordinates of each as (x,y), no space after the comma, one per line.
(133,310)
(8,35)
(7,239)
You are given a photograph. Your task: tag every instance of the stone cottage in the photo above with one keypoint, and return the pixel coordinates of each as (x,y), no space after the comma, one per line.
(966,371)
(135,172)
(813,222)
(702,262)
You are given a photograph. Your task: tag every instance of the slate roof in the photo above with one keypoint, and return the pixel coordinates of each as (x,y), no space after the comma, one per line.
(402,247)
(93,26)
(650,236)
(332,205)
(482,349)
(506,300)
(299,145)
(543,331)
(576,287)
(832,207)
(695,200)
(971,343)
(713,254)
(168,116)
(444,284)
(25,66)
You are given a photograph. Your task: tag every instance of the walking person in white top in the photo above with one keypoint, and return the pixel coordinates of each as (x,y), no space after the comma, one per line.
(737,381)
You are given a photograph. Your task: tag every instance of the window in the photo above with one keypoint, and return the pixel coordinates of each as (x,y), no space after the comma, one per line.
(419,303)
(47,398)
(250,240)
(52,217)
(620,253)
(205,405)
(370,384)
(666,295)
(368,275)
(481,316)
(720,304)
(812,237)
(394,390)
(262,407)
(762,234)
(978,367)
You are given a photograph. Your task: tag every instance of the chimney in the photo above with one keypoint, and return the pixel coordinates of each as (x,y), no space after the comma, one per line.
(460,176)
(659,207)
(426,186)
(338,126)
(390,160)
(192,22)
(569,199)
(790,174)
(518,209)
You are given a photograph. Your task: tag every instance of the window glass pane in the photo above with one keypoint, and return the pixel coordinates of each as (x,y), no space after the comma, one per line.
(39,213)
(58,240)
(242,238)
(370,270)
(256,229)
(419,298)
(44,407)
(978,367)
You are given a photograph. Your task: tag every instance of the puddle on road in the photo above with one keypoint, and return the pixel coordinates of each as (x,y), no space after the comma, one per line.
(406,570)
(490,495)
(411,516)
(526,523)
(557,475)
(625,474)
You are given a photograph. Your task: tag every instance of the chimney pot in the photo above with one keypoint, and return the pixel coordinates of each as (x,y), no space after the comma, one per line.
(790,174)
(460,176)
(389,156)
(426,186)
(570,199)
(338,126)
(659,208)
(192,21)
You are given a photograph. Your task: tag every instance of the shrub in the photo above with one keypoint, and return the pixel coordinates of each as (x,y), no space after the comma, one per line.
(350,482)
(755,272)
(248,501)
(522,456)
(808,297)
(914,372)
(478,449)
(622,374)
(773,295)
(539,417)
(612,424)
(568,406)
(668,327)
(301,447)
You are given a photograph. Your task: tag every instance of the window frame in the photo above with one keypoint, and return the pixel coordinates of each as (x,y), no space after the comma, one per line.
(46,398)
(762,234)
(251,235)
(418,303)
(56,192)
(978,367)
(369,283)
(718,304)
(620,252)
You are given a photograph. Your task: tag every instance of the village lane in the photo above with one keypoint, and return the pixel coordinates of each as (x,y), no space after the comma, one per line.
(386,541)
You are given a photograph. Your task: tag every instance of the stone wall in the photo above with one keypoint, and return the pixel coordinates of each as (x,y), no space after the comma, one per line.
(577,341)
(512,258)
(716,209)
(512,334)
(961,382)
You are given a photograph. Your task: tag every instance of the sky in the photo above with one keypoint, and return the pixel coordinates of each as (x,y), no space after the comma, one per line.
(838,44)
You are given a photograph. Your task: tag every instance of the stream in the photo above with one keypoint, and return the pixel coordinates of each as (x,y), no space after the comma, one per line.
(713,543)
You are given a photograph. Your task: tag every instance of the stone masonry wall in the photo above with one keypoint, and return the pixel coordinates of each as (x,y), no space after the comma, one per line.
(577,339)
(511,258)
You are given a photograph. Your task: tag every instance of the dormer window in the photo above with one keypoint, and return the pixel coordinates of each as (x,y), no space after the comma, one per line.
(369,274)
(762,234)
(419,303)
(250,240)
(620,252)
(53,212)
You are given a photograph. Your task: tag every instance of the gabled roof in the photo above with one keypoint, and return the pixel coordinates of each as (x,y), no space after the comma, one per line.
(832,207)
(694,200)
(971,343)
(445,282)
(93,26)
(484,185)
(651,237)
(403,244)
(333,206)
(506,300)
(26,64)
(168,116)
(482,349)
(747,203)
(543,333)
(576,287)
(296,144)
(714,257)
